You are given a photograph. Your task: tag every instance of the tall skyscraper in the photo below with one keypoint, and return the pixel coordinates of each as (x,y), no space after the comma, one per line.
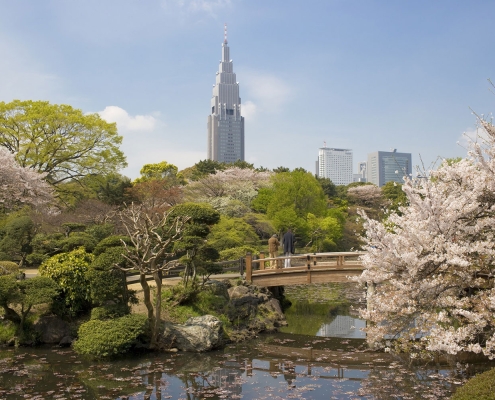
(335,164)
(387,166)
(225,123)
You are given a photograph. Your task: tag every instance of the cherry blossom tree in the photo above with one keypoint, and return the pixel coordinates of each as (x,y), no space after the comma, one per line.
(232,184)
(431,264)
(21,185)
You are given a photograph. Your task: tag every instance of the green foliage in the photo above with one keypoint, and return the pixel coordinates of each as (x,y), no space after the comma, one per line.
(481,387)
(7,331)
(59,140)
(237,252)
(262,200)
(261,224)
(110,189)
(160,171)
(299,191)
(200,213)
(232,232)
(15,236)
(111,241)
(100,231)
(69,270)
(109,311)
(327,186)
(109,338)
(108,283)
(279,170)
(324,232)
(203,168)
(77,240)
(393,192)
(8,268)
(17,297)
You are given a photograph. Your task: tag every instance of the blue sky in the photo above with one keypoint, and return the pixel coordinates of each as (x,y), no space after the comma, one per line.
(360,74)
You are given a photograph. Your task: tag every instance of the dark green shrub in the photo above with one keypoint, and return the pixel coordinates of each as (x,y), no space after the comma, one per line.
(481,387)
(103,339)
(110,311)
(78,239)
(100,232)
(111,241)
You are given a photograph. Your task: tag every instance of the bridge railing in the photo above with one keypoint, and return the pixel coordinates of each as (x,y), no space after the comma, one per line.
(338,260)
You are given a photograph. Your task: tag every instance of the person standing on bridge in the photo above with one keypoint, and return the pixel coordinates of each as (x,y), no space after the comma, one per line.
(273,244)
(289,246)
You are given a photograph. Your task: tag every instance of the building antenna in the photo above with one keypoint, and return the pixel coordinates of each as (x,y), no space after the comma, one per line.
(225,33)
(324,143)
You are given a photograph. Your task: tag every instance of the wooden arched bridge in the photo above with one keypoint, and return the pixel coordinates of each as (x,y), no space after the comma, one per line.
(304,269)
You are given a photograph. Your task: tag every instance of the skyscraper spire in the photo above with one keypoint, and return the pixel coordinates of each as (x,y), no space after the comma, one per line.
(225,34)
(225,123)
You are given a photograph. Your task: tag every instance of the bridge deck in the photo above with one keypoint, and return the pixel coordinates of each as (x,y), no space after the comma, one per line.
(315,268)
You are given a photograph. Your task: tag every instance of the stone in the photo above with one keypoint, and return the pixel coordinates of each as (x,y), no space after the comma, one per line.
(52,329)
(66,341)
(198,334)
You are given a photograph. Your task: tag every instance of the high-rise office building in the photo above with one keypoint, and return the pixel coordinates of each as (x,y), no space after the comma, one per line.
(335,164)
(361,175)
(225,123)
(387,166)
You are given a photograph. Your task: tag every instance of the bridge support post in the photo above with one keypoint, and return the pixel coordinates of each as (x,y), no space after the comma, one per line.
(249,267)
(308,265)
(262,263)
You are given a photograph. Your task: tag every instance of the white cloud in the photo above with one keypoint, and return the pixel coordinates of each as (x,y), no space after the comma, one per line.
(125,122)
(248,110)
(147,140)
(266,93)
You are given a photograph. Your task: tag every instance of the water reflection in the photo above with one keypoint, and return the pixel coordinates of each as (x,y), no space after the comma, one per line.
(281,366)
(343,326)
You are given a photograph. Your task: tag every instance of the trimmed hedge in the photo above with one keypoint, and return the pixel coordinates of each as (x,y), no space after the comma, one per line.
(481,387)
(104,339)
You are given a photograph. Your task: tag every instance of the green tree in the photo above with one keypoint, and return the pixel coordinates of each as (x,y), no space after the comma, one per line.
(163,171)
(298,190)
(16,235)
(200,255)
(328,186)
(232,232)
(17,297)
(392,191)
(203,168)
(59,140)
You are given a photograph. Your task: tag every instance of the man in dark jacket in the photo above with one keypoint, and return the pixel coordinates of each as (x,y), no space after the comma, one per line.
(289,246)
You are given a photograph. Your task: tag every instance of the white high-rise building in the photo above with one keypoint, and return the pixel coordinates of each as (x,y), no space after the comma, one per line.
(225,123)
(335,164)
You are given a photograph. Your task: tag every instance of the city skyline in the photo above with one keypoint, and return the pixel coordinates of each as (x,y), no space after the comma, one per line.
(363,75)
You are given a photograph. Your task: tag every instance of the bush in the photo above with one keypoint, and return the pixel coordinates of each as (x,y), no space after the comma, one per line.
(8,268)
(111,241)
(481,387)
(111,311)
(69,270)
(103,339)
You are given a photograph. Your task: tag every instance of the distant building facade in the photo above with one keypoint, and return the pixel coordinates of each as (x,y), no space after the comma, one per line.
(335,164)
(225,124)
(388,166)
(361,175)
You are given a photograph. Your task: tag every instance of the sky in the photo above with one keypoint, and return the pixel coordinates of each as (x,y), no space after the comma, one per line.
(364,75)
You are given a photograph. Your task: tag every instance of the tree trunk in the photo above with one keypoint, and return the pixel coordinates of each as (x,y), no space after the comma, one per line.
(147,300)
(11,315)
(157,275)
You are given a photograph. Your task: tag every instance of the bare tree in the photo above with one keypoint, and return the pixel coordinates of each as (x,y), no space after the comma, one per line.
(153,235)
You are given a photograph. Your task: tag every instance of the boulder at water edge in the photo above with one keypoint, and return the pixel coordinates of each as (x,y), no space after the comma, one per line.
(198,334)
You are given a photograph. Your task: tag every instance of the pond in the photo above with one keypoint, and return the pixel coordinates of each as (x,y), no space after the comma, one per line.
(323,358)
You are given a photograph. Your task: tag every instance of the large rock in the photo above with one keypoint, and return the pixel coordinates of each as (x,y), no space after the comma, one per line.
(198,334)
(254,308)
(52,329)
